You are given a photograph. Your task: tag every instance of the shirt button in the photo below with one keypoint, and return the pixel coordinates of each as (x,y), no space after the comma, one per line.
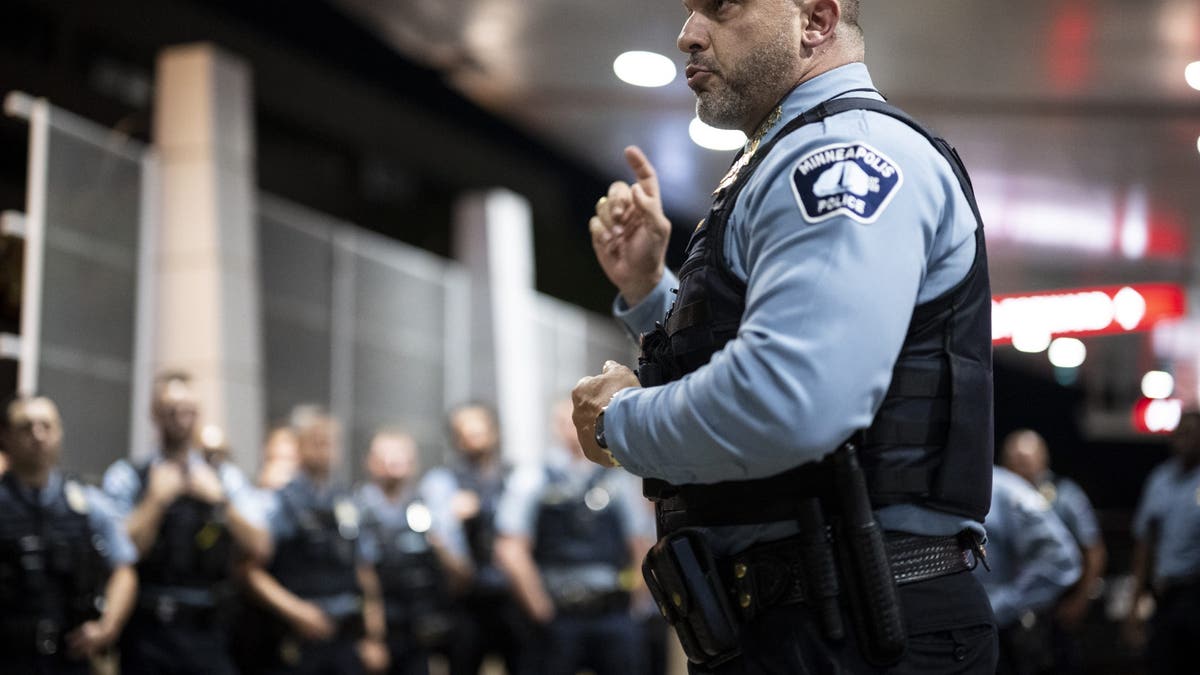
(960,653)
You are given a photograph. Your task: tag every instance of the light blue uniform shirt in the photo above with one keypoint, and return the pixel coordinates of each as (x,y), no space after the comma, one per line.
(393,516)
(123,484)
(516,514)
(1033,557)
(1073,508)
(103,517)
(828,306)
(1170,505)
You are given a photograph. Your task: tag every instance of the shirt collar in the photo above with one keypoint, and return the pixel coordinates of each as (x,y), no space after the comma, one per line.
(45,494)
(827,85)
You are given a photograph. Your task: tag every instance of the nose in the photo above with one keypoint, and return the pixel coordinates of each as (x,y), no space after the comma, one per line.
(693,37)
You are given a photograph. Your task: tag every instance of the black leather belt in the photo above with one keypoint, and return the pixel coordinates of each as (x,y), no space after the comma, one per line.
(773,574)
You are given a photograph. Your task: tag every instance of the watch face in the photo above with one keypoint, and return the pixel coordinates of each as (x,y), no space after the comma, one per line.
(600,439)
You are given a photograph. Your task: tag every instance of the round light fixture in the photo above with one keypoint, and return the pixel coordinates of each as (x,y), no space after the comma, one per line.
(644,69)
(1192,75)
(1030,339)
(1066,352)
(1158,384)
(713,138)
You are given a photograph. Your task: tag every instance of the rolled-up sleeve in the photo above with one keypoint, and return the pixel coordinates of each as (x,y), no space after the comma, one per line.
(828,306)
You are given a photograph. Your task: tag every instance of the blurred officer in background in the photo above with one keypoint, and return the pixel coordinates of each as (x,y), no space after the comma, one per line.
(567,538)
(490,621)
(320,586)
(188,522)
(279,459)
(1025,453)
(421,553)
(67,583)
(1166,557)
(1033,560)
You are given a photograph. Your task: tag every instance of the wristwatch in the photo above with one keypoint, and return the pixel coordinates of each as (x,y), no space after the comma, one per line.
(600,439)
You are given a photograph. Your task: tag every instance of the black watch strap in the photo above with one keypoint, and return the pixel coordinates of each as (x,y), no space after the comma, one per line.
(600,439)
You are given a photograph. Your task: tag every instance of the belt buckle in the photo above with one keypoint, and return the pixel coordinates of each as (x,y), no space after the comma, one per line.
(46,637)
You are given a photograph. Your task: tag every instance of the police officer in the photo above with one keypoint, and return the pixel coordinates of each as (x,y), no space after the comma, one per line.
(320,586)
(188,521)
(1025,454)
(420,553)
(567,536)
(490,621)
(1166,557)
(67,583)
(1033,560)
(837,291)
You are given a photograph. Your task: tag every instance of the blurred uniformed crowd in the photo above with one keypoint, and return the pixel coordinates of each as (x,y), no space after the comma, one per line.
(179,563)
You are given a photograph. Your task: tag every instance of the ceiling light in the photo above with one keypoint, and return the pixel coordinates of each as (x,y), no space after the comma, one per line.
(1067,352)
(644,69)
(1157,384)
(1031,339)
(1192,74)
(714,138)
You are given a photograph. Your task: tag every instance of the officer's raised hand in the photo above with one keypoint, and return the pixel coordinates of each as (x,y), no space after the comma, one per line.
(630,231)
(203,484)
(165,483)
(590,396)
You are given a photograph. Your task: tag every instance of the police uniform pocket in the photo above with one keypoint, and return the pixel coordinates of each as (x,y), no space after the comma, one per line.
(960,650)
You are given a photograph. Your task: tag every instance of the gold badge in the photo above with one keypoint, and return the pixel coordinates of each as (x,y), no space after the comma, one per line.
(76,497)
(1048,491)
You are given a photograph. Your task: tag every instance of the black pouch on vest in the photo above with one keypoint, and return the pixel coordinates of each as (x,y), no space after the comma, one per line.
(682,575)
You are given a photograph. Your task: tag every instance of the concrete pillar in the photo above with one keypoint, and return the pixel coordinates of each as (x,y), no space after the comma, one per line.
(209,322)
(494,238)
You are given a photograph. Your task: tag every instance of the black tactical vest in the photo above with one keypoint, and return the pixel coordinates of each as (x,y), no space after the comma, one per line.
(416,598)
(930,442)
(577,528)
(193,549)
(409,571)
(319,558)
(480,529)
(52,566)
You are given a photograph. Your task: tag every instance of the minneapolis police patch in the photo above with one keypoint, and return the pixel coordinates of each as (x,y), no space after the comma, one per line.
(850,179)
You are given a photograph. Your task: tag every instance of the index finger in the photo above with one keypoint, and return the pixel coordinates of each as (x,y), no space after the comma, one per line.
(642,169)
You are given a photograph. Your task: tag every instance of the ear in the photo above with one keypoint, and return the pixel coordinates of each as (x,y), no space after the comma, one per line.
(822,17)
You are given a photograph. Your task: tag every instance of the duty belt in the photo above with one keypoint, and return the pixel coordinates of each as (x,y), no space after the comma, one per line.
(773,574)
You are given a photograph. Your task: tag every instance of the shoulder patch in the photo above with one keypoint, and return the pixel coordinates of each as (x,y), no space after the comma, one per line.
(851,179)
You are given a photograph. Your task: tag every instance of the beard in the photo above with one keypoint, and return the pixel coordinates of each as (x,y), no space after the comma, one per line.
(743,89)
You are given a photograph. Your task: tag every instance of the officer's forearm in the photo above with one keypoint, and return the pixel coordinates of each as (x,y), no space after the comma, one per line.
(1095,558)
(143,523)
(374,618)
(253,540)
(1140,572)
(119,596)
(459,571)
(273,594)
(513,555)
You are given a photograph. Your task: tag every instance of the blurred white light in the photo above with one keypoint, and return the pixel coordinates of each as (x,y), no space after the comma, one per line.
(1162,416)
(1129,308)
(1030,339)
(1198,144)
(1192,74)
(713,138)
(1067,352)
(644,69)
(1158,384)
(211,436)
(419,517)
